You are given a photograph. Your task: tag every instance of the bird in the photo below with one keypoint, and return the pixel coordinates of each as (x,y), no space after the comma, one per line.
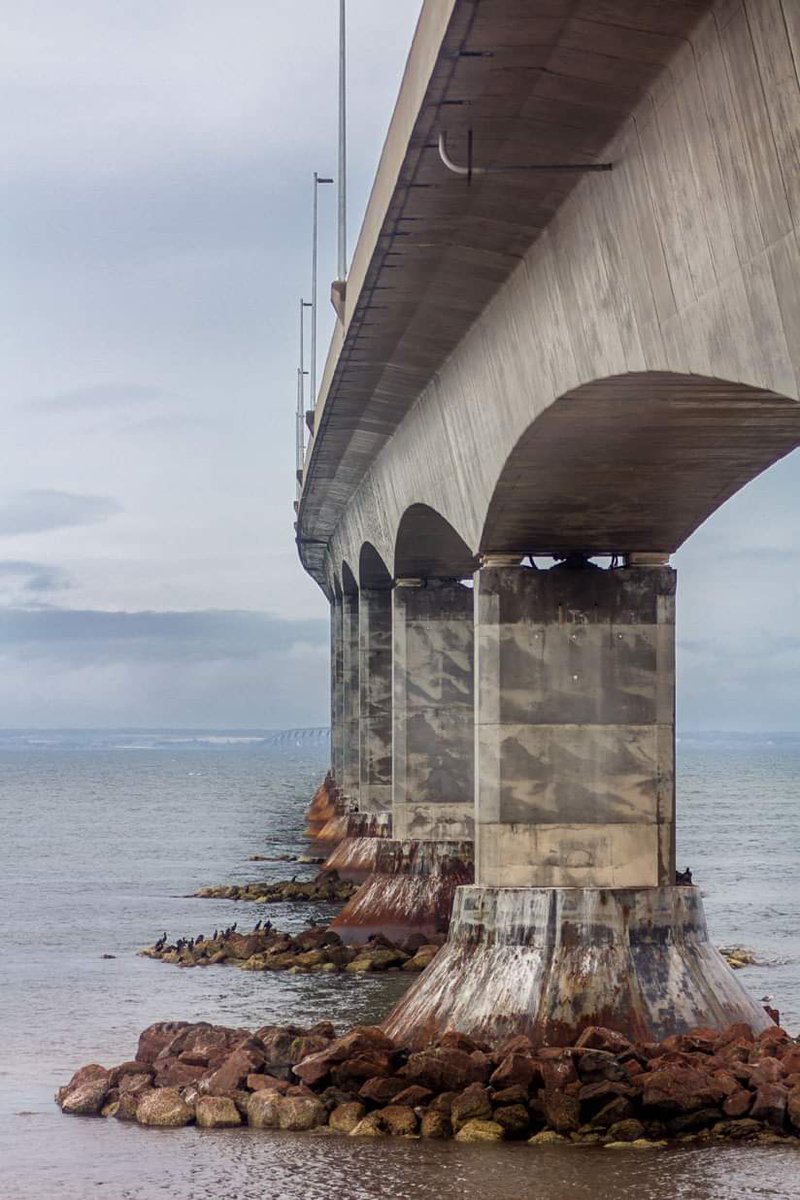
(201,937)
(216,935)
(256,927)
(767,999)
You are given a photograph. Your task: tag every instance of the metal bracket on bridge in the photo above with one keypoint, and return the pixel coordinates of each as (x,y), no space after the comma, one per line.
(471,170)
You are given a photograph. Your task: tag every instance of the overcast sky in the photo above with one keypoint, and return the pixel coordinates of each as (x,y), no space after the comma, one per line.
(156,218)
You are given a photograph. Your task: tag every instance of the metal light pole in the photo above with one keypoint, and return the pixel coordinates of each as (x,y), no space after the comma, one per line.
(342,141)
(318,179)
(301,404)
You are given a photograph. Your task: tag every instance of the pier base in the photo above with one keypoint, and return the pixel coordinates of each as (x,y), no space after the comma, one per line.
(354,858)
(411,890)
(323,808)
(549,962)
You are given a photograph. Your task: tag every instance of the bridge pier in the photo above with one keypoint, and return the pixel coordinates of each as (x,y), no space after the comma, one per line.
(575,918)
(431,852)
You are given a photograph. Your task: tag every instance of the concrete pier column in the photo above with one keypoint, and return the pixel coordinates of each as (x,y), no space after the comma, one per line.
(375,651)
(433,739)
(575,919)
(337,692)
(575,727)
(351,702)
(430,853)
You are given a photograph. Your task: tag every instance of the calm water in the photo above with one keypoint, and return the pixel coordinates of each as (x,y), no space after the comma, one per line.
(101,838)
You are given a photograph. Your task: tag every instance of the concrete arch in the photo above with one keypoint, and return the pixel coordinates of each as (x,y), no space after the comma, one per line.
(349,583)
(372,570)
(428,547)
(634,462)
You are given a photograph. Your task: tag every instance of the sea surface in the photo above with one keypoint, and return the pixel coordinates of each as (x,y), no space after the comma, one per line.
(102,838)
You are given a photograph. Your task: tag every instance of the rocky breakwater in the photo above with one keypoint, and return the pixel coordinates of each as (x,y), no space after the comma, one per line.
(326,888)
(603,1090)
(315,951)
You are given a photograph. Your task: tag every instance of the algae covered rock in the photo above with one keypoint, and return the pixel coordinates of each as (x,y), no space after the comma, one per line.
(480,1131)
(164,1108)
(345,1117)
(300,1112)
(216,1112)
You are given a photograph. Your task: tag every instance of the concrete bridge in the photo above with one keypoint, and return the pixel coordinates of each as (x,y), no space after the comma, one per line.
(536,358)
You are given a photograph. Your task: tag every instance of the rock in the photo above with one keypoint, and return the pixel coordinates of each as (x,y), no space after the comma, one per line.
(345,1117)
(134,1083)
(354,1072)
(766,1070)
(399,1120)
(153,1039)
(677,1089)
(770,1105)
(86,1098)
(737,1130)
(435,1125)
(369,1126)
(511,1095)
(360,965)
(413,1096)
(84,1075)
(110,1109)
(258,1082)
(175,1074)
(547,1137)
(262,1110)
(597,1037)
(421,958)
(164,1108)
(514,1069)
(382,1089)
(445,1069)
(739,1031)
(234,1070)
(128,1103)
(638,1144)
(216,1112)
(558,1072)
(126,1070)
(443,1102)
(596,1065)
(790,1059)
(737,1104)
(562,1112)
(618,1109)
(625,1131)
(793,1108)
(480,1131)
(471,1104)
(300,1112)
(514,1119)
(699,1118)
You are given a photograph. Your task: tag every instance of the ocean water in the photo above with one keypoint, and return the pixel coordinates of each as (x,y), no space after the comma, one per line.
(102,838)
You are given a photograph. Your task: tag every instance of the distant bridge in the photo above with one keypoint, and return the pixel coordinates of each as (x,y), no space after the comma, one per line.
(312,735)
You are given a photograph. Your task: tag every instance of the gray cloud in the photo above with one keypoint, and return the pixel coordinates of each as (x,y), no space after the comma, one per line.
(39,511)
(29,581)
(98,397)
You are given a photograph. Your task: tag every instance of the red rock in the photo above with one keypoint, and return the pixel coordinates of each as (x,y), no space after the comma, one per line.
(116,1074)
(153,1039)
(789,1055)
(519,1069)
(737,1104)
(766,1070)
(604,1090)
(453,1040)
(133,1084)
(363,1041)
(770,1105)
(562,1112)
(414,1096)
(557,1073)
(793,1108)
(85,1098)
(258,1083)
(472,1104)
(352,1073)
(300,1112)
(690,1043)
(599,1064)
(171,1072)
(382,1089)
(618,1109)
(736,1051)
(84,1075)
(677,1089)
(325,1029)
(233,1072)
(277,1043)
(724,1084)
(516,1094)
(514,1118)
(302,1047)
(597,1037)
(739,1031)
(444,1069)
(518,1043)
(775,1034)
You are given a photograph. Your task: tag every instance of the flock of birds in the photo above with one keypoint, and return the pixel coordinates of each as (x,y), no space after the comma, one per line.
(219,935)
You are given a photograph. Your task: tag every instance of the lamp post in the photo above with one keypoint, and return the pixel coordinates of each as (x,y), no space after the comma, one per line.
(342,271)
(318,179)
(301,406)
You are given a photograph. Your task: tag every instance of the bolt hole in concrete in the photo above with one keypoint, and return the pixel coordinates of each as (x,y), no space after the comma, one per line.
(99,855)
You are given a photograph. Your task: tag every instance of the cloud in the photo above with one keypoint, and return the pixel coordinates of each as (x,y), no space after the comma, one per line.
(39,511)
(68,667)
(30,583)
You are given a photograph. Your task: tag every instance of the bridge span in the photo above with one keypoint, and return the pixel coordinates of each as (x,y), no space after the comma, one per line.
(538,358)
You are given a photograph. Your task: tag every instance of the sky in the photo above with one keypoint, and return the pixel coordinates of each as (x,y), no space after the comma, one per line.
(155,243)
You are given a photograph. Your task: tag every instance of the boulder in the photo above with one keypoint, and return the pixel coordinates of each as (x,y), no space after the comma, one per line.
(128,1103)
(770,1105)
(625,1131)
(597,1037)
(399,1120)
(793,1108)
(216,1112)
(514,1069)
(766,1070)
(300,1112)
(789,1055)
(345,1117)
(514,1118)
(354,1072)
(739,1031)
(262,1110)
(153,1039)
(677,1089)
(547,1137)
(413,1096)
(382,1089)
(171,1072)
(117,1074)
(233,1071)
(85,1099)
(435,1125)
(91,1072)
(618,1109)
(596,1065)
(562,1112)
(511,1095)
(471,1104)
(369,1126)
(445,1069)
(258,1082)
(558,1072)
(737,1104)
(480,1131)
(164,1108)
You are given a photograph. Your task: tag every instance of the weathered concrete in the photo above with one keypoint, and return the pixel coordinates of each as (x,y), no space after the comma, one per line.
(410,890)
(351,740)
(375,713)
(575,717)
(337,692)
(549,962)
(355,856)
(433,779)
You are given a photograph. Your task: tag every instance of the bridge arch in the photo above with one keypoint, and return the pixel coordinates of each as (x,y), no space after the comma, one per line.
(372,570)
(428,547)
(349,583)
(634,462)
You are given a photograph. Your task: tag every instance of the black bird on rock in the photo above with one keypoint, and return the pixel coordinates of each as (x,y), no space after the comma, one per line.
(684,877)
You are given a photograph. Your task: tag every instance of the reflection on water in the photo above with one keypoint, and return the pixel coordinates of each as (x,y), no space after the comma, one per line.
(99,850)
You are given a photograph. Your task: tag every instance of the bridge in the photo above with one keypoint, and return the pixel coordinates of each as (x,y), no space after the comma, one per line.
(570,332)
